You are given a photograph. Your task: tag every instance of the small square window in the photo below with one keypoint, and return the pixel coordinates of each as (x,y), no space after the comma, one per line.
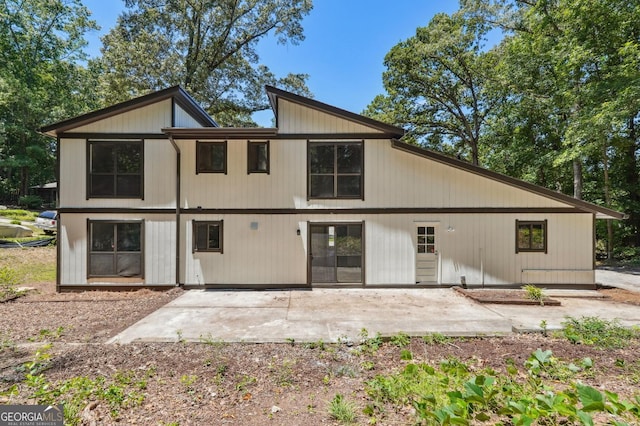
(207,236)
(211,157)
(258,157)
(531,236)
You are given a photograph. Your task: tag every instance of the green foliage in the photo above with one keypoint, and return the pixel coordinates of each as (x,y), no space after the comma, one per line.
(370,344)
(534,293)
(8,284)
(31,202)
(436,339)
(401,340)
(21,215)
(455,393)
(210,48)
(342,410)
(598,332)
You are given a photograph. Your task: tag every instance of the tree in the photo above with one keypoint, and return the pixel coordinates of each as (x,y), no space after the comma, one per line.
(39,40)
(207,46)
(437,85)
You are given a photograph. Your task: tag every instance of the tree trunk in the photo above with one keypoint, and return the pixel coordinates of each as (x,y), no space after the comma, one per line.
(607,200)
(633,182)
(577,179)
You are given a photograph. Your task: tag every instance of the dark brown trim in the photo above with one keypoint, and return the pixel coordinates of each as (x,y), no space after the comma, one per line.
(115,210)
(334,136)
(348,211)
(115,222)
(178,204)
(218,133)
(309,254)
(363,260)
(211,143)
(530,223)
(194,239)
(508,180)
(88,170)
(176,92)
(112,136)
(384,210)
(275,94)
(173,112)
(593,246)
(256,171)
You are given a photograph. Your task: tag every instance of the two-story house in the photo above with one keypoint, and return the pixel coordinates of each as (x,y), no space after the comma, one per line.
(152,193)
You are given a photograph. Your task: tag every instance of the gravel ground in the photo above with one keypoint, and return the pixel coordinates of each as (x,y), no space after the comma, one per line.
(240,384)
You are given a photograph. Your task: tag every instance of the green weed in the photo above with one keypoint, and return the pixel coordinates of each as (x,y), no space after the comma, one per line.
(370,344)
(534,293)
(401,340)
(342,410)
(436,339)
(598,332)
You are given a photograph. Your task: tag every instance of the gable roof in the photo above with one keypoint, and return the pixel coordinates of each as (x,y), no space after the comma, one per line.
(274,93)
(181,97)
(599,211)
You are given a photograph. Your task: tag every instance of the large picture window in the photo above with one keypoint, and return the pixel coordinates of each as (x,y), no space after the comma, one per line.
(211,157)
(115,169)
(207,236)
(531,236)
(115,248)
(336,170)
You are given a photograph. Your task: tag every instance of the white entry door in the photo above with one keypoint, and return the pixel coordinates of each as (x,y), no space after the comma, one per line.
(426,255)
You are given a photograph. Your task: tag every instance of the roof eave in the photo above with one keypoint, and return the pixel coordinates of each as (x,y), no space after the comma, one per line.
(220,132)
(599,211)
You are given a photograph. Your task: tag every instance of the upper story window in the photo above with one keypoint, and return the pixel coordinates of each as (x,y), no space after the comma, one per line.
(211,157)
(531,236)
(336,170)
(258,157)
(115,169)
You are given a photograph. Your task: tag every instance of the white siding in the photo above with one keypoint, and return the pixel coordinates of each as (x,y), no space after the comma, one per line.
(184,119)
(295,118)
(148,119)
(480,247)
(159,248)
(393,179)
(159,176)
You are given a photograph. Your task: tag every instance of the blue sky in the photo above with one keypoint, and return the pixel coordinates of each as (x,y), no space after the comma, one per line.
(344,48)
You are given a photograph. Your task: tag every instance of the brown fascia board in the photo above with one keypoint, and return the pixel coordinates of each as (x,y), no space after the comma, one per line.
(275,93)
(181,97)
(221,133)
(601,212)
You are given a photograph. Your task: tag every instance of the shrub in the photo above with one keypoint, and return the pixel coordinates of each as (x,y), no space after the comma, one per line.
(597,332)
(31,202)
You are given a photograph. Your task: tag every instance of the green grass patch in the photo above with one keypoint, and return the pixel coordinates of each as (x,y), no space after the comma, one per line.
(30,265)
(21,215)
(342,410)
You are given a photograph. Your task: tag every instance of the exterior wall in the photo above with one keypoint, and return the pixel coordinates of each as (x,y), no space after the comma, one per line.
(393,179)
(295,118)
(159,249)
(148,119)
(184,119)
(159,176)
(480,247)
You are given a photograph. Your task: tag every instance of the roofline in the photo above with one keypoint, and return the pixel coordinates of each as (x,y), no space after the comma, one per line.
(181,97)
(601,212)
(274,93)
(220,132)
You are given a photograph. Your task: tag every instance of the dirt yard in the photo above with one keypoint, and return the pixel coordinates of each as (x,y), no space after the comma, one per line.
(240,384)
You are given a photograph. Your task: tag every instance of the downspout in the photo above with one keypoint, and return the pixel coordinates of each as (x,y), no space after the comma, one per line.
(177,148)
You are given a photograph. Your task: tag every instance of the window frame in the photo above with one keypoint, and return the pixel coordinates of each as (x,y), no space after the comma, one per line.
(115,251)
(530,224)
(251,170)
(335,173)
(90,173)
(199,144)
(194,235)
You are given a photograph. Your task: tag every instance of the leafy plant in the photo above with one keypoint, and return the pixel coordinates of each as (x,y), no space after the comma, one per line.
(370,344)
(401,340)
(534,293)
(436,338)
(598,332)
(31,202)
(8,282)
(342,410)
